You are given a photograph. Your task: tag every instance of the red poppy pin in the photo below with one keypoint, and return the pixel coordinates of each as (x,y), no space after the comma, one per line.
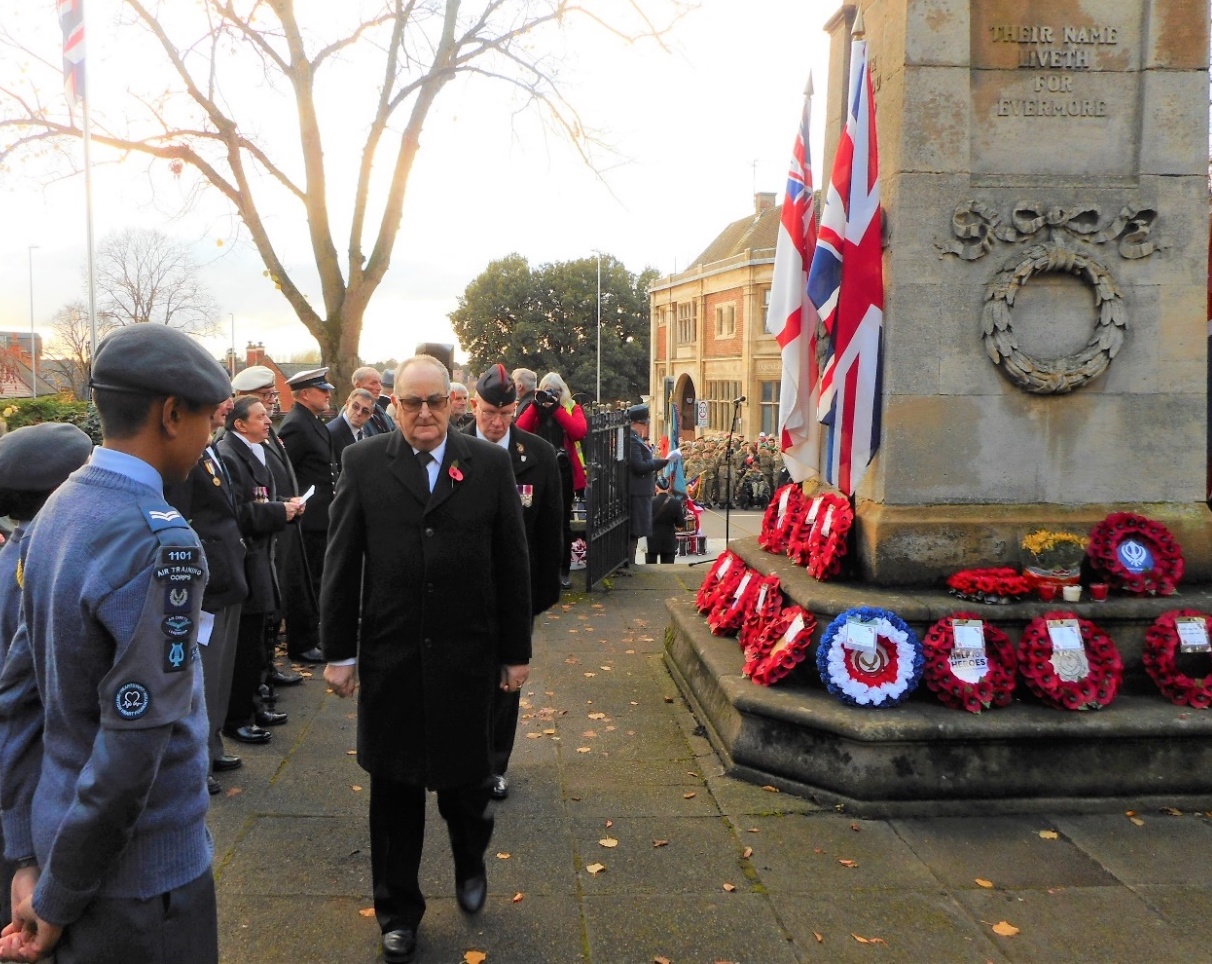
(454,472)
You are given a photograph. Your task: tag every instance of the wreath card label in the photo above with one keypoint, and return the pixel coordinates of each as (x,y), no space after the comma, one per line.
(1068,653)
(813,509)
(1192,634)
(861,637)
(786,498)
(968,660)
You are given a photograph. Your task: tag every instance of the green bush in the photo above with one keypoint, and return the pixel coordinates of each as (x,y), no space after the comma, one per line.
(52,408)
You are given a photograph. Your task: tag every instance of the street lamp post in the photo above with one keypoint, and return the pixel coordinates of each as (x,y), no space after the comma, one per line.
(33,338)
(598,394)
(232,315)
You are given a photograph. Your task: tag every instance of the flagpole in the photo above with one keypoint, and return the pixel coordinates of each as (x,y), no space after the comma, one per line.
(88,206)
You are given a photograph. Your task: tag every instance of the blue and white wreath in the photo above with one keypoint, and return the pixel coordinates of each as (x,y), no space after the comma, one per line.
(882,675)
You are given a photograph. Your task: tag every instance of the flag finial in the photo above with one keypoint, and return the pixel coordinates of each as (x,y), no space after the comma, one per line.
(808,87)
(858,30)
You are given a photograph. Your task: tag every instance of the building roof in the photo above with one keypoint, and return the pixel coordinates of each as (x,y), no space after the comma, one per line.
(754,232)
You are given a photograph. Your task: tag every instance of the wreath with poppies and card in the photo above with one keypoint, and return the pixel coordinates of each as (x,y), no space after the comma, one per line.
(767,604)
(721,578)
(870,657)
(1069,663)
(786,508)
(970,664)
(783,645)
(819,540)
(1136,554)
(731,608)
(990,586)
(1180,631)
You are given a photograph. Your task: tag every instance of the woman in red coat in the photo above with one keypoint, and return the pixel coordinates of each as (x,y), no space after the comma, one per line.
(557,418)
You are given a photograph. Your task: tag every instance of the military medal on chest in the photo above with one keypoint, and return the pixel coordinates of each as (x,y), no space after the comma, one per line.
(526,493)
(210,467)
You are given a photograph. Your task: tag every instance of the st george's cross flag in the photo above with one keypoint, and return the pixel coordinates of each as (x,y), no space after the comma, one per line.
(846,283)
(71,20)
(791,317)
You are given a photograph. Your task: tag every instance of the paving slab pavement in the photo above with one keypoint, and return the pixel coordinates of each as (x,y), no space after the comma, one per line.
(610,768)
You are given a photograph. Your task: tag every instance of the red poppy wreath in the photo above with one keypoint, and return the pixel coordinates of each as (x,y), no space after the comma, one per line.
(1136,554)
(785,643)
(782,515)
(1069,663)
(766,606)
(993,586)
(721,578)
(978,673)
(819,541)
(1163,642)
(731,608)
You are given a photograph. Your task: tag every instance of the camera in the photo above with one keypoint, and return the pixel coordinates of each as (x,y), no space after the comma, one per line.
(544,397)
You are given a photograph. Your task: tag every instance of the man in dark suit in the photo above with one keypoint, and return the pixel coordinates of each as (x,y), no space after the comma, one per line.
(536,474)
(369,379)
(351,425)
(206,500)
(299,603)
(421,515)
(309,446)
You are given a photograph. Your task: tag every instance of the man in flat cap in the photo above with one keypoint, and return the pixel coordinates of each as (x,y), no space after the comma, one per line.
(103,754)
(426,591)
(309,445)
(642,469)
(536,473)
(34,461)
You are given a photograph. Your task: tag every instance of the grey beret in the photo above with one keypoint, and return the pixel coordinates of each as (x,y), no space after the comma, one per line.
(496,387)
(253,378)
(154,359)
(637,413)
(389,378)
(37,458)
(316,378)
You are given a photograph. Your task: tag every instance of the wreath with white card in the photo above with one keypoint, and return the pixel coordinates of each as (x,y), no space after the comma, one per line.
(782,515)
(784,645)
(767,604)
(731,608)
(721,578)
(1172,633)
(870,657)
(1069,663)
(970,664)
(819,540)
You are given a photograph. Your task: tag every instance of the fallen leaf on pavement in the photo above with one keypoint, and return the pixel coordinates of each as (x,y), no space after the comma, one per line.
(534,736)
(856,828)
(868,940)
(549,732)
(1004,929)
(584,749)
(668,699)
(820,938)
(1049,835)
(474,957)
(572,661)
(595,869)
(355,788)
(366,912)
(1172,811)
(590,734)
(770,789)
(502,855)
(754,830)
(981,882)
(660,843)
(661,960)
(597,716)
(608,842)
(608,824)
(234,792)
(746,853)
(517,898)
(1137,821)
(730,887)
(848,863)
(689,796)
(351,752)
(590,675)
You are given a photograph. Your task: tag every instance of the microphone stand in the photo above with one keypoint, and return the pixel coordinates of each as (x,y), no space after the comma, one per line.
(736,417)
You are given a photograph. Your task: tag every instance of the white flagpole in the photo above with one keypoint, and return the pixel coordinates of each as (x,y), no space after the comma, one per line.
(88,205)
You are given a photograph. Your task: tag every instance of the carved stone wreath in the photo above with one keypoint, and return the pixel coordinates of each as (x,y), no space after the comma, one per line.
(1053,376)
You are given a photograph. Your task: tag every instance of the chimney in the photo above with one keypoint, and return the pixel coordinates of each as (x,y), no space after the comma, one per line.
(254,354)
(763,201)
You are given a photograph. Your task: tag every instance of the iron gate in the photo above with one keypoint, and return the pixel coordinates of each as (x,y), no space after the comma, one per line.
(608,518)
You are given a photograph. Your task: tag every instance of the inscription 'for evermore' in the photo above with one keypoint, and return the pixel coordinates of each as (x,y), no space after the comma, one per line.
(1027,107)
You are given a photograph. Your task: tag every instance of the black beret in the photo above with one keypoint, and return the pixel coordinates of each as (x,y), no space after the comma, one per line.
(153,359)
(637,413)
(496,387)
(37,458)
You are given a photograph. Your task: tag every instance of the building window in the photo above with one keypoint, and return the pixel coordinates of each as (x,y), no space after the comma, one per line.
(770,407)
(725,321)
(688,316)
(765,306)
(719,397)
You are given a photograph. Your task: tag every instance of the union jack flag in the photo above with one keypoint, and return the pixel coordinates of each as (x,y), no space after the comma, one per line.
(71,20)
(846,284)
(792,318)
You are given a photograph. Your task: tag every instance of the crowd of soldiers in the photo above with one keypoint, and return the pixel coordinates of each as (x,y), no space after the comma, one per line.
(747,476)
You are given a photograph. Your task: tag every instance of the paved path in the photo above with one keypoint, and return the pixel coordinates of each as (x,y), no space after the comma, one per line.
(610,769)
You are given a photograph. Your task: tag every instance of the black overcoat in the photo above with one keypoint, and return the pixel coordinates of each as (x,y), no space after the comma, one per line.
(641,486)
(444,601)
(310,449)
(260,515)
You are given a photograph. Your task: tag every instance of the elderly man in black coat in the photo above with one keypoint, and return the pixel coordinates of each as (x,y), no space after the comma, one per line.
(537,476)
(419,516)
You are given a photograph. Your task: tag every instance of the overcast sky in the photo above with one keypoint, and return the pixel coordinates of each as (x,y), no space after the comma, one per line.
(698,129)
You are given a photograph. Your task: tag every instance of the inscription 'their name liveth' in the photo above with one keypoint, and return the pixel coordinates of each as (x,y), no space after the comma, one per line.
(1043,47)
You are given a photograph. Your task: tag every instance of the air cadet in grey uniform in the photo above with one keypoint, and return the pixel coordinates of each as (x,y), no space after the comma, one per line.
(103,746)
(34,461)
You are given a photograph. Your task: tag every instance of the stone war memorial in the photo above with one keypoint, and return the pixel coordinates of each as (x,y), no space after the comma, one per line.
(1043,170)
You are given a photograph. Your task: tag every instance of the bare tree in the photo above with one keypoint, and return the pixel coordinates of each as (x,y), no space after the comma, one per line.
(69,357)
(146,276)
(236,67)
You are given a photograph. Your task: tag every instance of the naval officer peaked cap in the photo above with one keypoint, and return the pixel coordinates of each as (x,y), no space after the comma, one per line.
(253,378)
(316,378)
(153,359)
(38,458)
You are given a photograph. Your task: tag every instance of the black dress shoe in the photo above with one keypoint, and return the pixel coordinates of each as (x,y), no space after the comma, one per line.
(399,946)
(471,893)
(269,718)
(283,677)
(498,787)
(312,655)
(565,582)
(226,762)
(247,734)
(212,786)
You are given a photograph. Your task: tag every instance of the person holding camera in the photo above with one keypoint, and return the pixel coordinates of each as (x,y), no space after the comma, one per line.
(554,416)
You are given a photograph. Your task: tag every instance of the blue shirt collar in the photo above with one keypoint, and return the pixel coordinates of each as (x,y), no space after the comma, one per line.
(130,466)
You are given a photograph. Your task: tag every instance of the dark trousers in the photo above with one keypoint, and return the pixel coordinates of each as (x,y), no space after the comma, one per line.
(218,664)
(504,727)
(177,927)
(397,835)
(249,668)
(300,564)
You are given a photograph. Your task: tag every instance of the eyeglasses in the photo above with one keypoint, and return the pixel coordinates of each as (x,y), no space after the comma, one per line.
(265,393)
(361,409)
(503,415)
(436,403)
